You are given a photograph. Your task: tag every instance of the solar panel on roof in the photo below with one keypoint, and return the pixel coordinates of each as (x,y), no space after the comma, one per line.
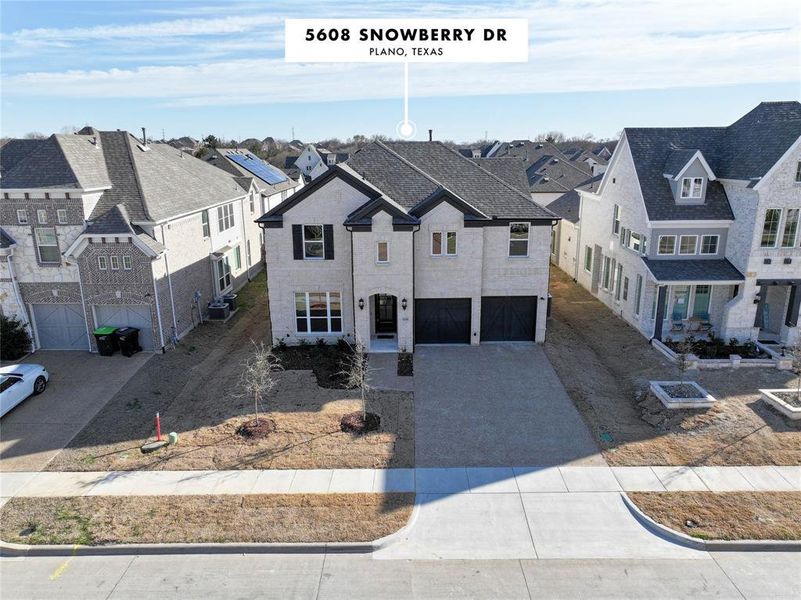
(258,167)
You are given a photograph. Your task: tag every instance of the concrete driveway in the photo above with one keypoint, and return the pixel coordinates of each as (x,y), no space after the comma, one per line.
(80,385)
(495,405)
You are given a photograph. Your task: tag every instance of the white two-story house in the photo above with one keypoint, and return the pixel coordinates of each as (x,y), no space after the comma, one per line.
(409,243)
(99,228)
(696,230)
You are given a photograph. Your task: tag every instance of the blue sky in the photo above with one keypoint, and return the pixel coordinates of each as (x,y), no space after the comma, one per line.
(193,68)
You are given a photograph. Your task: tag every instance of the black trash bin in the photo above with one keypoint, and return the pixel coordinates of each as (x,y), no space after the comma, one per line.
(129,341)
(230,300)
(106,340)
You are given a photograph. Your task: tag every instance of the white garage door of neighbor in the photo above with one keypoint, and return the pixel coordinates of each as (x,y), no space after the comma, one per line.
(127,316)
(60,326)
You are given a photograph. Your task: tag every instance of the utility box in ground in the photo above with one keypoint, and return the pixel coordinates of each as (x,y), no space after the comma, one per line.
(128,338)
(106,340)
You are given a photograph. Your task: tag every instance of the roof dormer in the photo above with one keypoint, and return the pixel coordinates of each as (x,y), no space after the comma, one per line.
(689,174)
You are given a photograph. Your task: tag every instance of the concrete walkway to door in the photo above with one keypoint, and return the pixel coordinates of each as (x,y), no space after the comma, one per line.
(495,405)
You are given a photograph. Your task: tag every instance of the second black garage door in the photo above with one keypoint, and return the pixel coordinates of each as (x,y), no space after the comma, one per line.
(508,318)
(442,321)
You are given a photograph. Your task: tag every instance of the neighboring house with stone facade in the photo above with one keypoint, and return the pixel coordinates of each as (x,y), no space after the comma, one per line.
(99,228)
(409,243)
(696,230)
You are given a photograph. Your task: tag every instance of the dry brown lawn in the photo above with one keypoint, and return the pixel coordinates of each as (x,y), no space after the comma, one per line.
(195,389)
(726,515)
(605,366)
(196,519)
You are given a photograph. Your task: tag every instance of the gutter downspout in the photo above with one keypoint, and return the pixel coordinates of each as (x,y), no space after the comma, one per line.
(83,305)
(579,258)
(414,279)
(158,308)
(18,296)
(245,234)
(169,285)
(353,285)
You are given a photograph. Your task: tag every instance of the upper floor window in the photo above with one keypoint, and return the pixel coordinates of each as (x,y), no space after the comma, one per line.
(607,271)
(634,241)
(616,220)
(770,230)
(102,263)
(41,216)
(382,252)
(709,244)
(688,244)
(313,246)
(115,262)
(61,216)
(22,216)
(667,244)
(798,172)
(443,243)
(127,263)
(283,195)
(225,217)
(588,259)
(204,219)
(252,204)
(518,239)
(790,228)
(691,187)
(47,245)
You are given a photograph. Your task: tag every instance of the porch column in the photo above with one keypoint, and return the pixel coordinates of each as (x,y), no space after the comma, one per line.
(660,311)
(763,295)
(792,311)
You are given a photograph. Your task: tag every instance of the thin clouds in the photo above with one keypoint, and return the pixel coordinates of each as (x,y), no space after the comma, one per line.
(576,45)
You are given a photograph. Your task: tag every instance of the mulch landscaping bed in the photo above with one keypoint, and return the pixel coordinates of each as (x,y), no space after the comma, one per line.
(725,515)
(405,364)
(359,422)
(326,360)
(682,390)
(289,518)
(713,348)
(793,398)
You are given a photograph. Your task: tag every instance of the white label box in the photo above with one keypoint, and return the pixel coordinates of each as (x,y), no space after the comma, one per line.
(406,40)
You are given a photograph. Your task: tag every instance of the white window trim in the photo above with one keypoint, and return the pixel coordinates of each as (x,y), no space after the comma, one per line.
(102,263)
(606,275)
(127,262)
(616,219)
(717,245)
(695,245)
(40,246)
(618,284)
(783,228)
(41,216)
(638,295)
(588,254)
(22,216)
(308,316)
(112,260)
(444,243)
(378,252)
(217,277)
(321,241)
(778,227)
(225,217)
(659,246)
(692,182)
(527,240)
(61,216)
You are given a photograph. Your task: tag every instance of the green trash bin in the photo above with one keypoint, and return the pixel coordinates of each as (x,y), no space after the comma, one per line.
(106,339)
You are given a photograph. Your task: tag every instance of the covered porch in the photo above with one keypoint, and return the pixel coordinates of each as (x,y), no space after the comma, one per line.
(692,296)
(777,310)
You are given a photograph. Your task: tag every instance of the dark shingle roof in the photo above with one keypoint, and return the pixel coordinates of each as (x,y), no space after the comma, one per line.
(548,169)
(745,150)
(410,172)
(6,241)
(509,168)
(13,151)
(677,159)
(114,220)
(567,206)
(220,158)
(693,270)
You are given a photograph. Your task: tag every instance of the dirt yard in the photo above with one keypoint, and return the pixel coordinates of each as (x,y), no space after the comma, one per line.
(605,366)
(196,519)
(195,389)
(726,515)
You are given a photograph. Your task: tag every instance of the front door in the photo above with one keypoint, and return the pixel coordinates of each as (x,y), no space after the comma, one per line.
(386,314)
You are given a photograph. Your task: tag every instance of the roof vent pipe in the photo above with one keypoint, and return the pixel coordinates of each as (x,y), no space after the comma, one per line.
(144,138)
(430,135)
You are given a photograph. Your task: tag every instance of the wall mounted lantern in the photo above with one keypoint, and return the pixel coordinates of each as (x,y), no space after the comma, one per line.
(403,304)
(361,303)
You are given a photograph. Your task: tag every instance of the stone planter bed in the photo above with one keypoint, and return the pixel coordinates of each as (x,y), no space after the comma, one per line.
(734,361)
(785,401)
(675,394)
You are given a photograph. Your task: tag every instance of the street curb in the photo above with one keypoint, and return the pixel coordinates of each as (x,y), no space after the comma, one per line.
(16,550)
(683,539)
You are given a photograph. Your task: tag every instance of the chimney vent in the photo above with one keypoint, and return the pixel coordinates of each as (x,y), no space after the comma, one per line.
(430,135)
(144,137)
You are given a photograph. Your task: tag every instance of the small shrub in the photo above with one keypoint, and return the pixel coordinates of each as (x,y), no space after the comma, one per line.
(304,343)
(342,345)
(321,343)
(14,339)
(280,344)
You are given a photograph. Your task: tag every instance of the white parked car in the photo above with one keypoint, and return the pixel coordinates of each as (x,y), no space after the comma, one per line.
(17,382)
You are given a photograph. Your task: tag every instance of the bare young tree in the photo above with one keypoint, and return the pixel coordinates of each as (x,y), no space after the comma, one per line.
(795,363)
(683,351)
(258,378)
(357,372)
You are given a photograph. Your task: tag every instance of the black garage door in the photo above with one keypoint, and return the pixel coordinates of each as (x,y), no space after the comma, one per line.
(508,318)
(442,321)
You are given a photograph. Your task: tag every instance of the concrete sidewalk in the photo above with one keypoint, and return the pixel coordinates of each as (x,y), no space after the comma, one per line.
(438,481)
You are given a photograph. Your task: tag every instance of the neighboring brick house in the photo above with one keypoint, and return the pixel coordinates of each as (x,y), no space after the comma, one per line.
(409,243)
(101,229)
(696,230)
